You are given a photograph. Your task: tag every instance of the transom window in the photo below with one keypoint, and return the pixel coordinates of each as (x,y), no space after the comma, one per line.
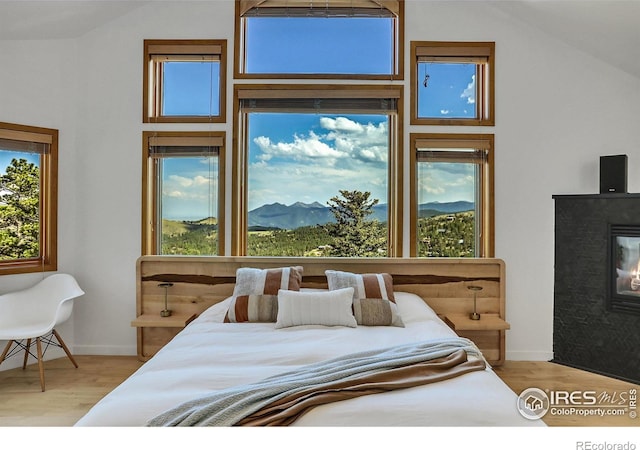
(452,195)
(28,202)
(332,38)
(306,149)
(183,191)
(452,83)
(184,80)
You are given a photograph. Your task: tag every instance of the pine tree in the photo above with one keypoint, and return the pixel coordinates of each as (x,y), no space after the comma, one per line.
(352,234)
(19,211)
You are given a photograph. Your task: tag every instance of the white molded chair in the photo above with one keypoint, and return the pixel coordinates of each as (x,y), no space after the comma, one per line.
(33,313)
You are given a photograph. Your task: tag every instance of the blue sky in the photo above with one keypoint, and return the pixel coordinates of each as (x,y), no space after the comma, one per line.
(190,188)
(310,157)
(317,45)
(6,156)
(450,90)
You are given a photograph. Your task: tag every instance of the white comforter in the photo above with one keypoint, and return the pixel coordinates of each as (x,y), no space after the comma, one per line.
(209,355)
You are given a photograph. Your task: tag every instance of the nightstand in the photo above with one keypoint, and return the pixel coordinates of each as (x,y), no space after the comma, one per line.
(488,333)
(160,331)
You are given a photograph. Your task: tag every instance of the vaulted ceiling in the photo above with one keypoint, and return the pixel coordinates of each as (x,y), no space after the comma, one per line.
(605,29)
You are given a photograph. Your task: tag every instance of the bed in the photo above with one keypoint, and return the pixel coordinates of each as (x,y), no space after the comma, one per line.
(218,352)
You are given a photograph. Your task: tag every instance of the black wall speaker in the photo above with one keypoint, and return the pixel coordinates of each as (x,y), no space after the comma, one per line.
(613,174)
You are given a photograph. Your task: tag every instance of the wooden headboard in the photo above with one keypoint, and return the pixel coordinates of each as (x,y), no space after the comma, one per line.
(199,282)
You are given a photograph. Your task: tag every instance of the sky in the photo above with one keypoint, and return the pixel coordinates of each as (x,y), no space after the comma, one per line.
(313,156)
(310,157)
(6,156)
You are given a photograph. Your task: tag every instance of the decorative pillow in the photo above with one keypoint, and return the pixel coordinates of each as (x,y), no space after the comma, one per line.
(252,308)
(329,308)
(250,281)
(373,300)
(255,295)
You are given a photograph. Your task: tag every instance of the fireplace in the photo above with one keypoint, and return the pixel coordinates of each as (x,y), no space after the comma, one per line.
(623,288)
(596,311)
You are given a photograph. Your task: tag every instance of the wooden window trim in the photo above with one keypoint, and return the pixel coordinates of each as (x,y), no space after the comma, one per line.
(239,203)
(149,179)
(456,140)
(458,52)
(394,6)
(48,260)
(185,49)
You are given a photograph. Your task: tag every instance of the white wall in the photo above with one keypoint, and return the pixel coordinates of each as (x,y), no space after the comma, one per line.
(557,110)
(37,87)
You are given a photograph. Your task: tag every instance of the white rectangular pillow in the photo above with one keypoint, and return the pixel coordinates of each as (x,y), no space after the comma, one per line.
(329,308)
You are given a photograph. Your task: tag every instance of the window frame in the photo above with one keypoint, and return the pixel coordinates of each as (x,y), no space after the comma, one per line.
(240,37)
(150,175)
(179,49)
(48,203)
(457,140)
(457,51)
(239,206)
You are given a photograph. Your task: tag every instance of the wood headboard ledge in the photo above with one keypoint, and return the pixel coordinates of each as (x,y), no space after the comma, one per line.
(199,282)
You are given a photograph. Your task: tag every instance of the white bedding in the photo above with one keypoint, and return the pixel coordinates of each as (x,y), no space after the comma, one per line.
(209,355)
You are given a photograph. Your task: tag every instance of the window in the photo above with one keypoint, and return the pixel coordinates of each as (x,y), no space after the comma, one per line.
(184,80)
(452,83)
(28,202)
(301,147)
(331,39)
(452,195)
(183,192)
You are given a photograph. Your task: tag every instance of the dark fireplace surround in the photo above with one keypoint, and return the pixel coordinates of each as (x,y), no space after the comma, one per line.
(596,319)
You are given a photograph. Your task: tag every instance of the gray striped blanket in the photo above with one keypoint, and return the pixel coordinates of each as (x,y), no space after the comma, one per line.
(230,406)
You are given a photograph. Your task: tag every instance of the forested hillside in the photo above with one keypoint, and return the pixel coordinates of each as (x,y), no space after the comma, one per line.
(449,235)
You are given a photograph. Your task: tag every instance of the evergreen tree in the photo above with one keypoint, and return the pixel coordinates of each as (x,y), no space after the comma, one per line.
(19,211)
(354,235)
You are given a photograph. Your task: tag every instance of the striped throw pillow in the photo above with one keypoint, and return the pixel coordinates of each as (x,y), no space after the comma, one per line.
(255,295)
(373,301)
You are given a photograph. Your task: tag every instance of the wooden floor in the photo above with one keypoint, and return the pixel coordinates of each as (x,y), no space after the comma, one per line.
(71,392)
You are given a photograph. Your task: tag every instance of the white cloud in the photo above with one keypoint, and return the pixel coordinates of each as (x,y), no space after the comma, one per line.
(340,153)
(344,140)
(300,148)
(444,112)
(470,92)
(301,181)
(197,187)
(446,182)
(181,181)
(199,180)
(175,194)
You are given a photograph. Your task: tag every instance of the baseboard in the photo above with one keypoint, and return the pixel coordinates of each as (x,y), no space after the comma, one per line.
(528,356)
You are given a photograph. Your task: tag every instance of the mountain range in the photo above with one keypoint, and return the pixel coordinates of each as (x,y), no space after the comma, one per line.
(277,215)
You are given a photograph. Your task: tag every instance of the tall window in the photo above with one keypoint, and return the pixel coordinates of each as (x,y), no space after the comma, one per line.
(304,151)
(28,202)
(452,195)
(183,191)
(452,83)
(312,39)
(184,80)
